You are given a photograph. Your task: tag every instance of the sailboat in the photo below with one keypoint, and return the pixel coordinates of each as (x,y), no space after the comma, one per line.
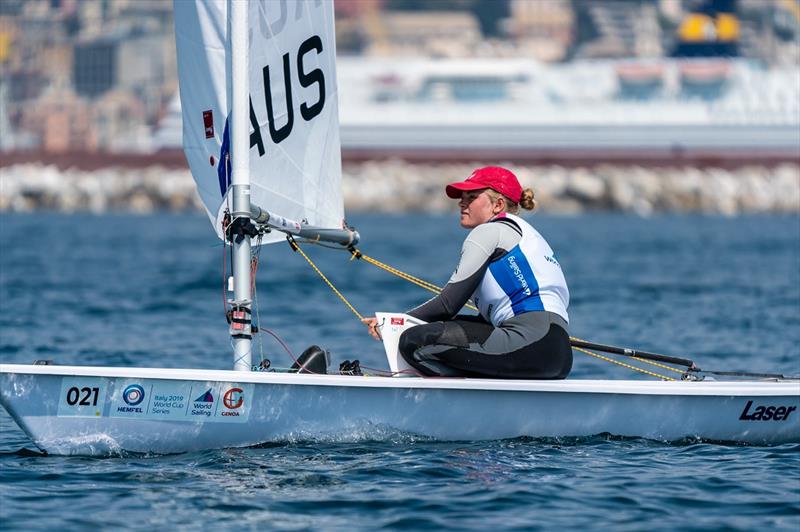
(259,94)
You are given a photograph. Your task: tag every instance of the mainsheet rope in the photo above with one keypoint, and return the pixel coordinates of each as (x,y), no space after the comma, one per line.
(357,254)
(296,247)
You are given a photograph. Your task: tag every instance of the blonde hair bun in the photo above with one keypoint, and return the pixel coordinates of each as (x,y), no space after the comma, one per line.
(526,201)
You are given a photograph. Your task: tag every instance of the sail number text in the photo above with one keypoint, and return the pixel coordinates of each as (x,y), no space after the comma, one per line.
(306,79)
(86,396)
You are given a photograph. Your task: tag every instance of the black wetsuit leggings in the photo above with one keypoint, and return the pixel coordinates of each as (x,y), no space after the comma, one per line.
(529,346)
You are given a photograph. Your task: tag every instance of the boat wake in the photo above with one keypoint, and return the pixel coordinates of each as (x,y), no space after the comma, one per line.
(96,444)
(359,432)
(371,433)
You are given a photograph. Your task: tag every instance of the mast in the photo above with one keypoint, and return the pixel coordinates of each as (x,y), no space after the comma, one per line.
(241,330)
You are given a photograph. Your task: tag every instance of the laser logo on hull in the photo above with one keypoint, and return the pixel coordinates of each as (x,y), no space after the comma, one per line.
(766,412)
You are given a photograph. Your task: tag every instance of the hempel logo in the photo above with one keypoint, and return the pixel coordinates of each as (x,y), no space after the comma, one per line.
(133,396)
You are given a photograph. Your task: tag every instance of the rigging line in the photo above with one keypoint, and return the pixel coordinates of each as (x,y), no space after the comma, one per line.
(256,253)
(282,343)
(384,373)
(634,353)
(423,284)
(289,351)
(296,247)
(335,247)
(747,374)
(435,289)
(244,355)
(224,278)
(408,277)
(623,364)
(646,361)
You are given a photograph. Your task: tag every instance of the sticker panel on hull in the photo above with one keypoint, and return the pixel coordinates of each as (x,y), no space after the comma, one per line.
(82,397)
(158,400)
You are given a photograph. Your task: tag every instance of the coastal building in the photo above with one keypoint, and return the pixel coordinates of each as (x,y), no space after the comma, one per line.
(62,121)
(542,30)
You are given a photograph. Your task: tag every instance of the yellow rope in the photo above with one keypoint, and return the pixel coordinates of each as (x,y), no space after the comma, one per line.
(408,277)
(433,288)
(651,362)
(296,247)
(624,365)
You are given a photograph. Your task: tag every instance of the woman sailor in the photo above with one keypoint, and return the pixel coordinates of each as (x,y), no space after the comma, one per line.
(514,279)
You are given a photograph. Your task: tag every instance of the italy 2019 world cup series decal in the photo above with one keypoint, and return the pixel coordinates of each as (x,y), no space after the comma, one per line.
(153,399)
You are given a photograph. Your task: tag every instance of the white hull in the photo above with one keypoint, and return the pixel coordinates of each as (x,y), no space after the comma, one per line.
(178,410)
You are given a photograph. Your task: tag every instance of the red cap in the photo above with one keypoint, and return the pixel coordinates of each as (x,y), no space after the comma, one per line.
(495,177)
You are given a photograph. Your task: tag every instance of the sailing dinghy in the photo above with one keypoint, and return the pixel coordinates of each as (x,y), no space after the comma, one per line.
(262,139)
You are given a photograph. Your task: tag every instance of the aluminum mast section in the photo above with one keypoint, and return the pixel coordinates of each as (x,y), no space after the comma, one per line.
(345,237)
(241,329)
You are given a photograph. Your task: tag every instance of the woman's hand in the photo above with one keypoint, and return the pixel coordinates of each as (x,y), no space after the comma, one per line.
(372,325)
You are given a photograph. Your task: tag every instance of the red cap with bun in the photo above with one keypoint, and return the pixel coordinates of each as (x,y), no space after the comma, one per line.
(495,177)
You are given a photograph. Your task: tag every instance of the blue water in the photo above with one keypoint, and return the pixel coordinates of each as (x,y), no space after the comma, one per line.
(146,291)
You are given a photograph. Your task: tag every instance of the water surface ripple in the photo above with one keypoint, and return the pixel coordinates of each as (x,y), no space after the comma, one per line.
(146,291)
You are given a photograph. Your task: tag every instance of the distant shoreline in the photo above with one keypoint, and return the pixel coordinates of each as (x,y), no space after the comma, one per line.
(569,157)
(401,186)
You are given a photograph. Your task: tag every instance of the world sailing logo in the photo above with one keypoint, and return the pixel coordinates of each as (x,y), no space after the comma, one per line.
(203,405)
(207,397)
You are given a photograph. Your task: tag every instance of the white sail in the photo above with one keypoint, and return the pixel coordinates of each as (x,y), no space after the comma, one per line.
(295,154)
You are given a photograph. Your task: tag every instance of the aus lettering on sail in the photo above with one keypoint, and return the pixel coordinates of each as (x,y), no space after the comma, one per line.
(295,153)
(273,75)
(306,78)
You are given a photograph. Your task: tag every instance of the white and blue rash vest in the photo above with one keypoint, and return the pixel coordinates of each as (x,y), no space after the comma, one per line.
(508,269)
(526,278)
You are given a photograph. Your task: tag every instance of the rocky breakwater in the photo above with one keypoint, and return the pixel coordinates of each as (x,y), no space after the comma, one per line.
(395,186)
(400,186)
(29,187)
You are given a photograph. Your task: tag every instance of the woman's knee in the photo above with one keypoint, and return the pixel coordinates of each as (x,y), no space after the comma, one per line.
(407,344)
(415,337)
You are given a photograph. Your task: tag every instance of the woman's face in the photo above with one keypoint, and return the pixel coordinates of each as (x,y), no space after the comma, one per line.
(478,207)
